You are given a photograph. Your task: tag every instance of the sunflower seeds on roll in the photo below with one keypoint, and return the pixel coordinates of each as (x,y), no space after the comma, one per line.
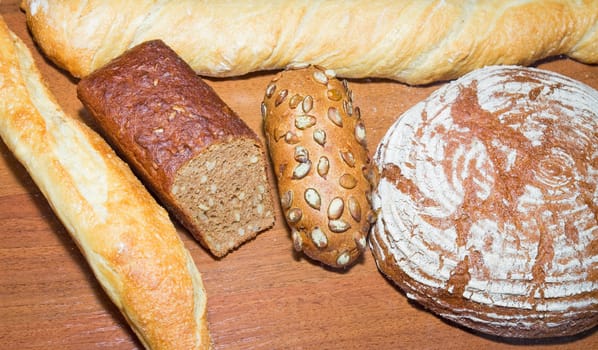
(322,163)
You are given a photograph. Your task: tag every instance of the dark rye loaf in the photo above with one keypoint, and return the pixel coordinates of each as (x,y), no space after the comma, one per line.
(202,161)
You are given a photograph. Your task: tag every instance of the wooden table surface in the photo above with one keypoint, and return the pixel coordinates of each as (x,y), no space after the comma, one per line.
(262,296)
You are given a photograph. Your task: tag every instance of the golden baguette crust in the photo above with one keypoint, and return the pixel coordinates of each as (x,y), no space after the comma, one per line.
(411,41)
(127,238)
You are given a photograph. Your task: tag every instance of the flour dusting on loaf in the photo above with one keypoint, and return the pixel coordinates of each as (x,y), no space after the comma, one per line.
(488,200)
(192,150)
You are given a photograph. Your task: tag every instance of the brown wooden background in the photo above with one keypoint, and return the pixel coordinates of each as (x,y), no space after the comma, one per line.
(262,296)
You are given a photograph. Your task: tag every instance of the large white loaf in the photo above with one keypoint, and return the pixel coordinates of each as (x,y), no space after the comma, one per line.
(413,41)
(488,199)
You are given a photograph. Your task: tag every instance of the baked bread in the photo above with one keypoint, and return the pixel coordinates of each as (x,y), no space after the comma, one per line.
(204,163)
(487,203)
(411,41)
(128,240)
(316,140)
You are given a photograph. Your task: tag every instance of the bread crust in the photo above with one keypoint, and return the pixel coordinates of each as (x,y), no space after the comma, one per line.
(412,41)
(128,240)
(150,76)
(487,203)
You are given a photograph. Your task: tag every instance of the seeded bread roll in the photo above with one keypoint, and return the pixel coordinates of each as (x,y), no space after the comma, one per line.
(413,41)
(128,240)
(316,140)
(195,153)
(487,202)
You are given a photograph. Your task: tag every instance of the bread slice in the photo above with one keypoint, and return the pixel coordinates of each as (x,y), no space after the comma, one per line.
(199,158)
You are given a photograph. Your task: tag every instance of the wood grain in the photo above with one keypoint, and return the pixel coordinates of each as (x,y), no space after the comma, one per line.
(262,296)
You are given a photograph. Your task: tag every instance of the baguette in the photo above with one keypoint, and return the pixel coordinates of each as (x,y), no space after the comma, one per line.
(317,143)
(411,41)
(126,237)
(197,155)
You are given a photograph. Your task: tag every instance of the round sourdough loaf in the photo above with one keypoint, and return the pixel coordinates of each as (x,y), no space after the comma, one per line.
(488,200)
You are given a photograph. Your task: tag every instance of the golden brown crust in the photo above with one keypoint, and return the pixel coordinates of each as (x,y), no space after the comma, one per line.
(142,99)
(126,237)
(410,40)
(316,140)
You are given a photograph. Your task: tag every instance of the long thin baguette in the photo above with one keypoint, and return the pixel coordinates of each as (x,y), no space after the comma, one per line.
(127,238)
(412,41)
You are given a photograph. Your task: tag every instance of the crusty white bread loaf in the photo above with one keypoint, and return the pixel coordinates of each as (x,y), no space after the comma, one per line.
(196,154)
(487,203)
(317,143)
(125,236)
(413,41)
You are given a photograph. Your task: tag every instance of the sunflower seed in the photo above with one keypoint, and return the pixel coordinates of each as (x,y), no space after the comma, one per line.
(360,240)
(305,121)
(335,208)
(357,113)
(335,116)
(203,207)
(343,259)
(354,208)
(348,107)
(294,215)
(319,238)
(264,110)
(348,158)
(338,226)
(334,95)
(360,133)
(301,170)
(308,103)
(368,174)
(297,241)
(286,200)
(323,166)
(301,154)
(281,97)
(320,77)
(320,136)
(291,138)
(270,90)
(312,197)
(348,181)
(295,101)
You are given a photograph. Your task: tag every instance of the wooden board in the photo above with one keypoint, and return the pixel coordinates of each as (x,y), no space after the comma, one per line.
(263,296)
